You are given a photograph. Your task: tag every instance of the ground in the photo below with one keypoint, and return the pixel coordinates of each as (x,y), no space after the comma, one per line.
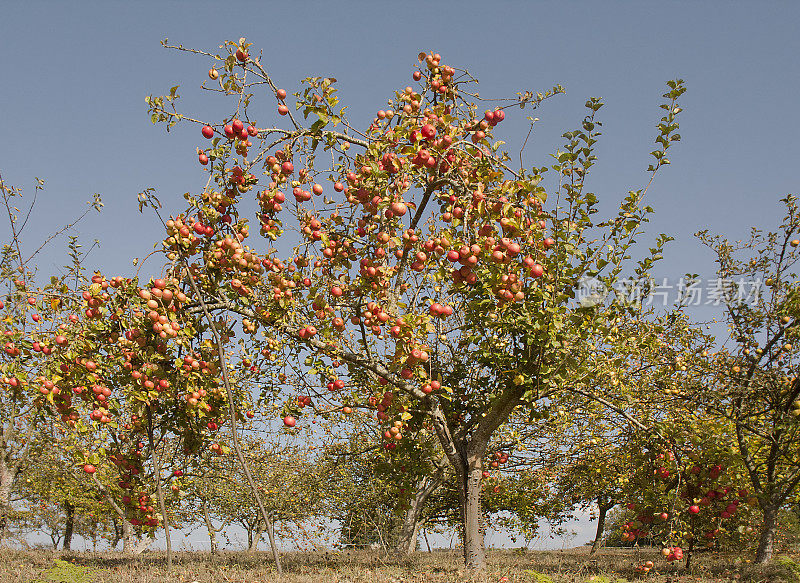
(609,566)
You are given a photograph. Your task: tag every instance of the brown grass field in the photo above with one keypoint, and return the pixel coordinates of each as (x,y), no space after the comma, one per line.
(576,566)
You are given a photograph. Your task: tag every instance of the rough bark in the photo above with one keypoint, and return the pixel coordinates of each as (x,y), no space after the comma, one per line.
(69,514)
(409,530)
(470,500)
(603,507)
(7,477)
(117,532)
(766,539)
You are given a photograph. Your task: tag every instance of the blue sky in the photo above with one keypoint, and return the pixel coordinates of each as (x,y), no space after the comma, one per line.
(75,76)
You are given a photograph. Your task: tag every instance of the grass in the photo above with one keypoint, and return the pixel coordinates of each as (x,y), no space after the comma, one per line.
(609,566)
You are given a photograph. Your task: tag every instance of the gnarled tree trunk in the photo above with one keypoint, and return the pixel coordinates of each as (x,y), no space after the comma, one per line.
(409,529)
(255,537)
(603,508)
(130,544)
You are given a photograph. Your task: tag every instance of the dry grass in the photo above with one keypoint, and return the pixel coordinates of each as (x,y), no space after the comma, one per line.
(610,566)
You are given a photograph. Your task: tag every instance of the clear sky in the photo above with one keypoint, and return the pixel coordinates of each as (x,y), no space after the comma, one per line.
(75,75)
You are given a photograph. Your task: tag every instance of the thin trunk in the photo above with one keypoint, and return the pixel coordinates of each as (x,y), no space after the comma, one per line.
(232,416)
(767,536)
(271,529)
(159,490)
(69,512)
(409,530)
(212,532)
(117,532)
(689,553)
(601,524)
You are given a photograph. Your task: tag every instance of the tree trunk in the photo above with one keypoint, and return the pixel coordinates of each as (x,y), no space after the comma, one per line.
(767,536)
(69,513)
(212,532)
(465,453)
(159,489)
(232,417)
(466,458)
(256,538)
(469,495)
(117,532)
(130,544)
(128,540)
(601,524)
(409,530)
(689,553)
(7,477)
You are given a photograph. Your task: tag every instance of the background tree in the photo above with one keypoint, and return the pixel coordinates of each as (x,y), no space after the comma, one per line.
(754,375)
(32,318)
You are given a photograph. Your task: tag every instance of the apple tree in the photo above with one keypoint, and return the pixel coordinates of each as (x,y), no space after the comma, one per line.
(389,250)
(754,374)
(33,317)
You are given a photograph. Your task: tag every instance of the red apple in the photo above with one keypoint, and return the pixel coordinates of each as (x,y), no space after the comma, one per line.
(428,131)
